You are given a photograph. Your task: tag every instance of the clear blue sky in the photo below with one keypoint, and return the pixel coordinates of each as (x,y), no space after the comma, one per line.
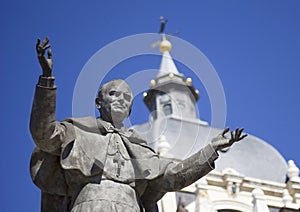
(253,45)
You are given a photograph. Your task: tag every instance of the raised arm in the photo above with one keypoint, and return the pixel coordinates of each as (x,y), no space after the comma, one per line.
(45,131)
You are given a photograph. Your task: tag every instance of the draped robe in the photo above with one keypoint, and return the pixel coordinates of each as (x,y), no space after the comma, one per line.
(71,156)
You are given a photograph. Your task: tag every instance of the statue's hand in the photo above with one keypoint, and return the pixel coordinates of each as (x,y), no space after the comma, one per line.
(221,141)
(46,63)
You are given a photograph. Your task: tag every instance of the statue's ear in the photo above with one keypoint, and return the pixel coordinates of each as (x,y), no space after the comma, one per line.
(98,103)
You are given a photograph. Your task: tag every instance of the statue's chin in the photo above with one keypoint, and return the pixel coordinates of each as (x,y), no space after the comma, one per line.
(118,116)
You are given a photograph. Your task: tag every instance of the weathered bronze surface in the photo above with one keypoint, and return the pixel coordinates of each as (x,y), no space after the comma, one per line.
(96,164)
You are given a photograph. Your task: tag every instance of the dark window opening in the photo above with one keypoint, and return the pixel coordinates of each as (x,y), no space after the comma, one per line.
(167,108)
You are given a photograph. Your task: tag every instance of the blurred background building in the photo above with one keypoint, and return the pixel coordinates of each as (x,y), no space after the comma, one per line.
(250,176)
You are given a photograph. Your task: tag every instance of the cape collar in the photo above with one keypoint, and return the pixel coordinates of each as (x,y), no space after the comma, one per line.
(97,125)
(106,127)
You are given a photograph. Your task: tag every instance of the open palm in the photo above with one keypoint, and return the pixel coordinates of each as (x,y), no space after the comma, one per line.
(46,63)
(221,141)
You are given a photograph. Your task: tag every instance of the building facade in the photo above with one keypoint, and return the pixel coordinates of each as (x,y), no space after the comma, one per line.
(251,176)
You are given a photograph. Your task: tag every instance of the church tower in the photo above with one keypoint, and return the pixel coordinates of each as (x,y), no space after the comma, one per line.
(252,176)
(171,94)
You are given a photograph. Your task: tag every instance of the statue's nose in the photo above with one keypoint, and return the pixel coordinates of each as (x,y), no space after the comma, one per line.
(121,100)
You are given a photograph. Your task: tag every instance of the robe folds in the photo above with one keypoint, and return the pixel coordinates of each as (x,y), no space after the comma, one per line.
(72,153)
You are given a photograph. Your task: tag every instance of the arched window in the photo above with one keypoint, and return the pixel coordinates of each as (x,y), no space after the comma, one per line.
(167,108)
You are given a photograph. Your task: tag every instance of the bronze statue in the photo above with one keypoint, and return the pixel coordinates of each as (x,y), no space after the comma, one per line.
(96,164)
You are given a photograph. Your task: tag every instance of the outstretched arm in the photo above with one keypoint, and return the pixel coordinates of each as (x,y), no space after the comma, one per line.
(198,165)
(179,175)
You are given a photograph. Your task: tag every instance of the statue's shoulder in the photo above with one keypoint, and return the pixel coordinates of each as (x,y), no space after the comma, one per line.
(81,120)
(88,123)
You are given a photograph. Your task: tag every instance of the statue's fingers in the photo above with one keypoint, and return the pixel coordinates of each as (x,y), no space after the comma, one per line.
(237,133)
(38,41)
(237,130)
(47,46)
(49,54)
(225,131)
(241,130)
(45,42)
(232,135)
(243,136)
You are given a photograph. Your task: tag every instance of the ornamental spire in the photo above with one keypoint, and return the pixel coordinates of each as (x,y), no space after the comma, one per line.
(167,65)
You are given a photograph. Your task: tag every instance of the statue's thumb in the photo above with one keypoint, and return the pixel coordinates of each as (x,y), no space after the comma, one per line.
(49,54)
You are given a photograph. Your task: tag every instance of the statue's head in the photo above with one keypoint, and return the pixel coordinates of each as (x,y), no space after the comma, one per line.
(114,101)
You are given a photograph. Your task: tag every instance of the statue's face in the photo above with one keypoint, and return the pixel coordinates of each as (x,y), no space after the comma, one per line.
(116,101)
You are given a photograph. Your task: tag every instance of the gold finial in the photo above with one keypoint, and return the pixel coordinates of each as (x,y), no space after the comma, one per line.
(189,81)
(171,75)
(165,45)
(152,82)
